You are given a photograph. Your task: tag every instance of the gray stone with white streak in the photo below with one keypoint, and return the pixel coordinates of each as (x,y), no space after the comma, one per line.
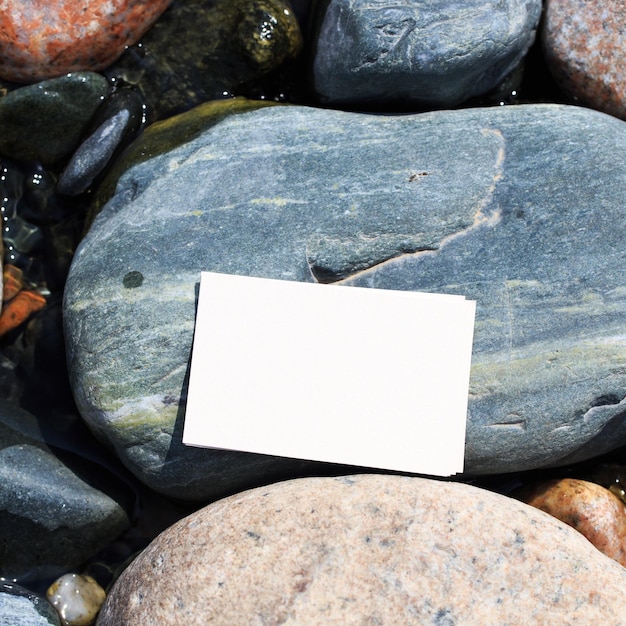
(430,53)
(520,208)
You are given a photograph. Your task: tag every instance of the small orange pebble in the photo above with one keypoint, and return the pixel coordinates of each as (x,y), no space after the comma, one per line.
(19,309)
(591,509)
(12,282)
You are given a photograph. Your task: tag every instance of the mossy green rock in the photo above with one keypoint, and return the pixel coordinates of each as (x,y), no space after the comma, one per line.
(45,122)
(222,48)
(519,208)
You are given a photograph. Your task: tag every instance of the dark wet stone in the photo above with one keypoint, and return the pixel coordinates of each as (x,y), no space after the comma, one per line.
(419,54)
(49,514)
(515,207)
(223,48)
(44,122)
(21,607)
(118,119)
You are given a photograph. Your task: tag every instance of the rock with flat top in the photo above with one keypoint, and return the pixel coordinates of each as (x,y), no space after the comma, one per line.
(519,208)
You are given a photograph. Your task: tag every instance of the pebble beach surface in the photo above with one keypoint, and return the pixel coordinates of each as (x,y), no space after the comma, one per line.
(473,148)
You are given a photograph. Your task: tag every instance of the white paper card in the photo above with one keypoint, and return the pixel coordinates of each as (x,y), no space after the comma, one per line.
(366,377)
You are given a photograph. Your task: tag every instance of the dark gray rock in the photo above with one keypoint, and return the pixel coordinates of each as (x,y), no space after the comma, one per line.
(44,122)
(49,515)
(520,208)
(117,120)
(425,53)
(20,607)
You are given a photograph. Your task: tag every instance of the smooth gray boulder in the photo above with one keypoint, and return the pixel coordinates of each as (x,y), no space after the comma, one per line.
(520,208)
(429,53)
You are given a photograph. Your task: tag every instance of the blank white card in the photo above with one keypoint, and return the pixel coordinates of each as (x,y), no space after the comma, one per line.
(366,377)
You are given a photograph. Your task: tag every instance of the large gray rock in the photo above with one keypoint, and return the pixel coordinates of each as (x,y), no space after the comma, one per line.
(424,52)
(368,550)
(50,516)
(520,208)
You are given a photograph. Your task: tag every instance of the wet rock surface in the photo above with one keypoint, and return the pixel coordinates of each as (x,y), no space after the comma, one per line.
(49,515)
(459,202)
(421,54)
(229,46)
(118,119)
(21,607)
(369,549)
(44,122)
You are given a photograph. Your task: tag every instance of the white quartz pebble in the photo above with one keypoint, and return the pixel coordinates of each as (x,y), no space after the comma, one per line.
(76,598)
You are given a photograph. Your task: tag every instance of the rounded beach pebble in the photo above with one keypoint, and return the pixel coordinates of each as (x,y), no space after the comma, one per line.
(77,598)
(368,550)
(589,508)
(584,46)
(42,39)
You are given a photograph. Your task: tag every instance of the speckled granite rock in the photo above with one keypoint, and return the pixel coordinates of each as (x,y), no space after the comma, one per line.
(584,46)
(45,122)
(368,550)
(49,515)
(589,508)
(426,53)
(36,43)
(479,202)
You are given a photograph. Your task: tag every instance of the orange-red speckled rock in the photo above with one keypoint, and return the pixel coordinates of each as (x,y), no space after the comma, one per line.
(589,508)
(584,47)
(12,282)
(19,309)
(42,39)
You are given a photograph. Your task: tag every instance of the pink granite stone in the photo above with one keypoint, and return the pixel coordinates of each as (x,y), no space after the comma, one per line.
(368,550)
(585,47)
(41,39)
